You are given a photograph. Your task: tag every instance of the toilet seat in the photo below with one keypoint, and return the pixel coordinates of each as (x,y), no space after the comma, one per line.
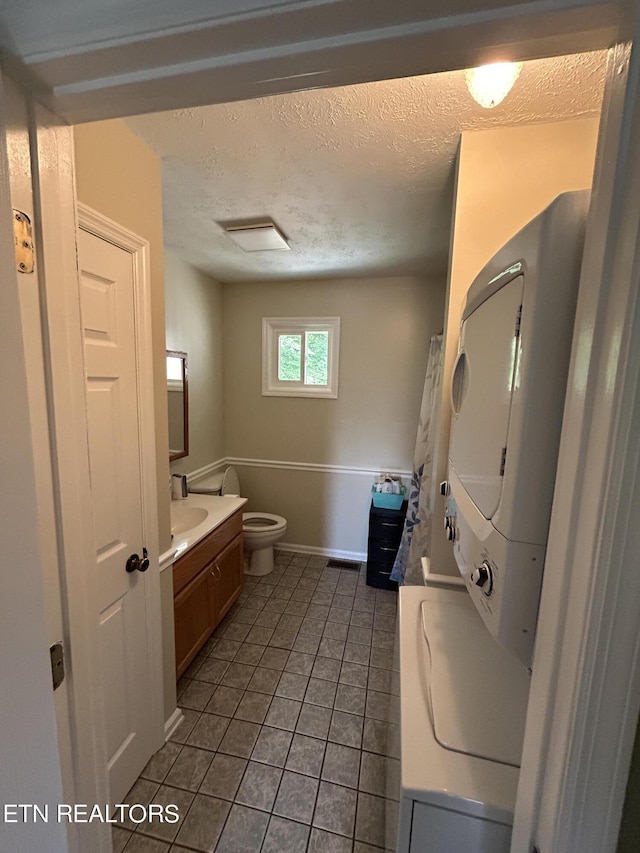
(256,523)
(261,530)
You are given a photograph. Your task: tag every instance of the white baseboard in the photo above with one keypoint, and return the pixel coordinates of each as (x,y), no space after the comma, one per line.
(172,723)
(322,552)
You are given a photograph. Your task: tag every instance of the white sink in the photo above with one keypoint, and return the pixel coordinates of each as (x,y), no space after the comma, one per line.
(185,518)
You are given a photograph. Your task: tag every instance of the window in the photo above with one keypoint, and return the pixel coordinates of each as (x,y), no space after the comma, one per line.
(300,356)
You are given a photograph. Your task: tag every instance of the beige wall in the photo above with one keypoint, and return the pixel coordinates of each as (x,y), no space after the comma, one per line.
(194,325)
(324,510)
(118,175)
(385,326)
(384,339)
(506,177)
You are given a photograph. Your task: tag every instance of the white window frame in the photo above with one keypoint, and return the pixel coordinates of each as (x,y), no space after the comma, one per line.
(272,328)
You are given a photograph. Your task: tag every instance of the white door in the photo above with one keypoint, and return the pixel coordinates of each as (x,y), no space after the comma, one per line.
(108,323)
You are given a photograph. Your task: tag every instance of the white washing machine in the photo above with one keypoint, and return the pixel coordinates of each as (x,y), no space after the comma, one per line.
(462,705)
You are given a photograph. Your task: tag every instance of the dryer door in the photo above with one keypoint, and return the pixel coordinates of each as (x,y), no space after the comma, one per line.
(482,386)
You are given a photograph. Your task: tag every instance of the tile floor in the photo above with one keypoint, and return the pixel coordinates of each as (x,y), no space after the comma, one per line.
(283,746)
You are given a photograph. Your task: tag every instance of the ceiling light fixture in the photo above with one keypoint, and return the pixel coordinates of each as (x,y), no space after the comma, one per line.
(257,237)
(490,84)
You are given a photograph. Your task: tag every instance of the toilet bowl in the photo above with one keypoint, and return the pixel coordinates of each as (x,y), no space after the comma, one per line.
(260,530)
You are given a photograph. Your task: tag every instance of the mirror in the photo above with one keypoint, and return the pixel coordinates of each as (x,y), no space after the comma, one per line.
(178,404)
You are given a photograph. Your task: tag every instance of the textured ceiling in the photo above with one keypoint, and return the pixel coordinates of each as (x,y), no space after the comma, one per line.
(359,178)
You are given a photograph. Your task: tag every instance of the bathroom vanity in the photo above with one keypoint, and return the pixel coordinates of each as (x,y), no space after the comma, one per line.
(208,577)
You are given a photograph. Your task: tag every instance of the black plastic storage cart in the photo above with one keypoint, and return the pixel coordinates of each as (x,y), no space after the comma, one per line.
(385,533)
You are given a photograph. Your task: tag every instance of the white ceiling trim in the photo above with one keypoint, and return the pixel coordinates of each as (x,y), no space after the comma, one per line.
(270,50)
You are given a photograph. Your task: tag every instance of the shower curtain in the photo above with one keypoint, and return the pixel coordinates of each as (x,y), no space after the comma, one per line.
(417,525)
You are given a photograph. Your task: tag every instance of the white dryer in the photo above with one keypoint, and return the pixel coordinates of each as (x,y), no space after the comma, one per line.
(508,390)
(462,706)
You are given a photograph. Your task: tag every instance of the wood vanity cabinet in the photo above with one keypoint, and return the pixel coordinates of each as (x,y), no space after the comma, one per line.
(206,582)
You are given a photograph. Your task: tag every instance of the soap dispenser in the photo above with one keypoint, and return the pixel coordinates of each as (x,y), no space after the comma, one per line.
(179,487)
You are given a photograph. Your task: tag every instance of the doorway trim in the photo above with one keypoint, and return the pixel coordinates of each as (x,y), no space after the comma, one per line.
(56,213)
(96,223)
(585,689)
(585,624)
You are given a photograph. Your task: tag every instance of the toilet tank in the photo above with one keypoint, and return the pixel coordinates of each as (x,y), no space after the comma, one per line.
(223,483)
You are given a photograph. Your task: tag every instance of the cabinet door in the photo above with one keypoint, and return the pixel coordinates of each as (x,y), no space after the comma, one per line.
(229,567)
(195,610)
(191,564)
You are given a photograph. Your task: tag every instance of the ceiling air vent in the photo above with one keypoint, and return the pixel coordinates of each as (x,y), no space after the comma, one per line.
(257,237)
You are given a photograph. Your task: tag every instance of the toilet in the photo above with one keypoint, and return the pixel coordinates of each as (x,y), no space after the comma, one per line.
(260,530)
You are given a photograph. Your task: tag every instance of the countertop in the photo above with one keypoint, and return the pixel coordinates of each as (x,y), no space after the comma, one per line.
(219,509)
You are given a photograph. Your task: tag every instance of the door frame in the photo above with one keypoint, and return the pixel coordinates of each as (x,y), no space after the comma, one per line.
(585,688)
(600,593)
(94,222)
(32,744)
(51,153)
(56,213)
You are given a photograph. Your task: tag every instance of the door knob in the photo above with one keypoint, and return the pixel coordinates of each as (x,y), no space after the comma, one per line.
(137,564)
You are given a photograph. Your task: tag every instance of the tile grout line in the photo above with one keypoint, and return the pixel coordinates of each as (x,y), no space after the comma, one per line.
(229,620)
(233,802)
(284,767)
(325,740)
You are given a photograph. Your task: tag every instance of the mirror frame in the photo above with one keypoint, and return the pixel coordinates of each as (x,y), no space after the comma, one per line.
(185,402)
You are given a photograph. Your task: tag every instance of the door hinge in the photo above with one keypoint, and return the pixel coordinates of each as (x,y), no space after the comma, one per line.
(518,321)
(503,461)
(23,240)
(57,664)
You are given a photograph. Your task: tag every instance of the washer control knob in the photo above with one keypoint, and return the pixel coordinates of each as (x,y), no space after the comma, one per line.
(482,576)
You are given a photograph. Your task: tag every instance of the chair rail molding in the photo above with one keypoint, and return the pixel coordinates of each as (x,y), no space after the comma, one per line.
(314,467)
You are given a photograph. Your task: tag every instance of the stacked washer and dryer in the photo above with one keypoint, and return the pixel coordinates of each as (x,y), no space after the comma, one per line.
(465,655)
